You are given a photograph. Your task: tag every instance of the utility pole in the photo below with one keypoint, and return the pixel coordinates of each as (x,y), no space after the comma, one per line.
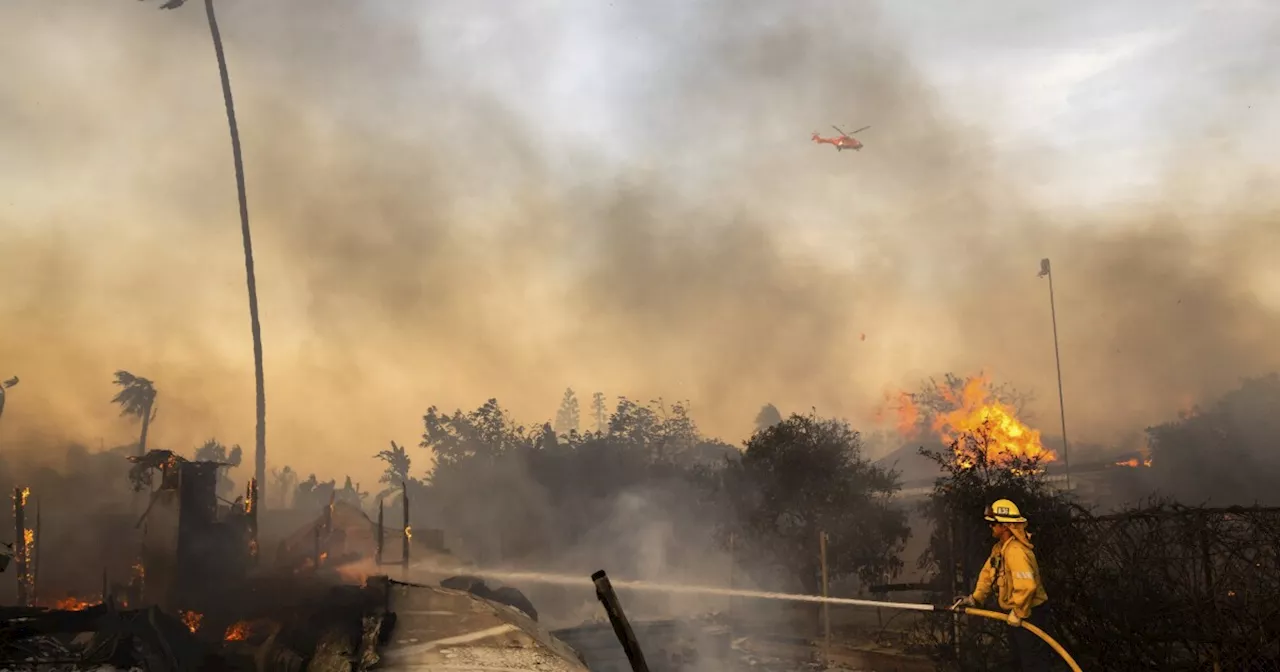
(1046,270)
(731,577)
(826,606)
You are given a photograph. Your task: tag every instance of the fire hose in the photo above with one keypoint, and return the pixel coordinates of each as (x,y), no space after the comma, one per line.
(607,596)
(1053,644)
(968,611)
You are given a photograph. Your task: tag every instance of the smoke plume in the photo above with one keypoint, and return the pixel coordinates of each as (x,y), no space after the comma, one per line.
(450,204)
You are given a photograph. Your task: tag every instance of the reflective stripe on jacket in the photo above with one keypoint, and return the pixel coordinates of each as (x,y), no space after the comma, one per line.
(1013,570)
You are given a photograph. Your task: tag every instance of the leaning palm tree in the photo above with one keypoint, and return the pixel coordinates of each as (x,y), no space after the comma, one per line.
(260,443)
(137,397)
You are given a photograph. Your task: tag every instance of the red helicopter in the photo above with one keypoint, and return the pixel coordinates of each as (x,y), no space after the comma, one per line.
(845,141)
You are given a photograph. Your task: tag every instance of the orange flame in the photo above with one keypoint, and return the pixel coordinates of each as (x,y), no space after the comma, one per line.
(408,532)
(191,619)
(976,409)
(25,493)
(908,415)
(237,632)
(73,604)
(1134,463)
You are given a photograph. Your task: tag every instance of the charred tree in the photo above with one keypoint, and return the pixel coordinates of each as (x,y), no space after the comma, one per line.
(20,546)
(251,517)
(408,532)
(35,560)
(379,534)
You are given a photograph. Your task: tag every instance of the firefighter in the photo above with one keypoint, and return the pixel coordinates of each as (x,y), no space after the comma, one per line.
(1014,574)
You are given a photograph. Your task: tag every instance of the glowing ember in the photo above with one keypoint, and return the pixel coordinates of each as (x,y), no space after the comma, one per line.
(237,632)
(1134,463)
(139,571)
(191,619)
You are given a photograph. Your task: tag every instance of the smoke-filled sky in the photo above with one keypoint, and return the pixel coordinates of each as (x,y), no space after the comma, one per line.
(452,201)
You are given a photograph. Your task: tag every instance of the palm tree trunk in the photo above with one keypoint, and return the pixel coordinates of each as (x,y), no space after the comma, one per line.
(260,442)
(142,440)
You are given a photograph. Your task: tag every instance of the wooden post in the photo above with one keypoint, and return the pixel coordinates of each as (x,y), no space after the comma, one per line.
(317,550)
(378,537)
(826,608)
(35,563)
(406,533)
(251,508)
(732,563)
(20,543)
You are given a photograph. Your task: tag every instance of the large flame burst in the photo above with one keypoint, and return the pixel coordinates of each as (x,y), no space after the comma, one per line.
(976,412)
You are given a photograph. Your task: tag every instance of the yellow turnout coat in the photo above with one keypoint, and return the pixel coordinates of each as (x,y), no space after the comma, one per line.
(1013,571)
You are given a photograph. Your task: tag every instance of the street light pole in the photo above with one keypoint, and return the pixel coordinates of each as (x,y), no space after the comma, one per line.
(1046,270)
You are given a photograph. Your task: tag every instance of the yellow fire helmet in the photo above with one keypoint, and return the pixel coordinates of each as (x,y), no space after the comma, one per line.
(1003,511)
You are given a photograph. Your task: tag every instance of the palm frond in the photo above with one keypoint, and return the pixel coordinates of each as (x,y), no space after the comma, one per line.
(137,395)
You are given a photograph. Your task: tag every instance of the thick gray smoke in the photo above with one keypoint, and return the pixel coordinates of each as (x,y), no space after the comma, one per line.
(452,203)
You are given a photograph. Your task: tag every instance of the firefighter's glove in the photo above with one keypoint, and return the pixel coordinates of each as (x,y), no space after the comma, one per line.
(964,601)
(1013,619)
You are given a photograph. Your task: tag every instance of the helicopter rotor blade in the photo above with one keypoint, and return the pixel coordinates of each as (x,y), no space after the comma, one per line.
(862,129)
(838,130)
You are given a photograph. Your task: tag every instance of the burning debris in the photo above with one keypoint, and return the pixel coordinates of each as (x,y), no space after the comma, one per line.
(191,619)
(237,632)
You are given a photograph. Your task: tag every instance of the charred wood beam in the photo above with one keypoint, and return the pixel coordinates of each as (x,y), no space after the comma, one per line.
(20,544)
(35,561)
(406,533)
(251,510)
(621,627)
(379,534)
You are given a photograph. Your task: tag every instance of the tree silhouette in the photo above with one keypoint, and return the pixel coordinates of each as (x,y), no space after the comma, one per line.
(397,471)
(285,482)
(260,439)
(805,476)
(600,412)
(212,451)
(567,415)
(137,397)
